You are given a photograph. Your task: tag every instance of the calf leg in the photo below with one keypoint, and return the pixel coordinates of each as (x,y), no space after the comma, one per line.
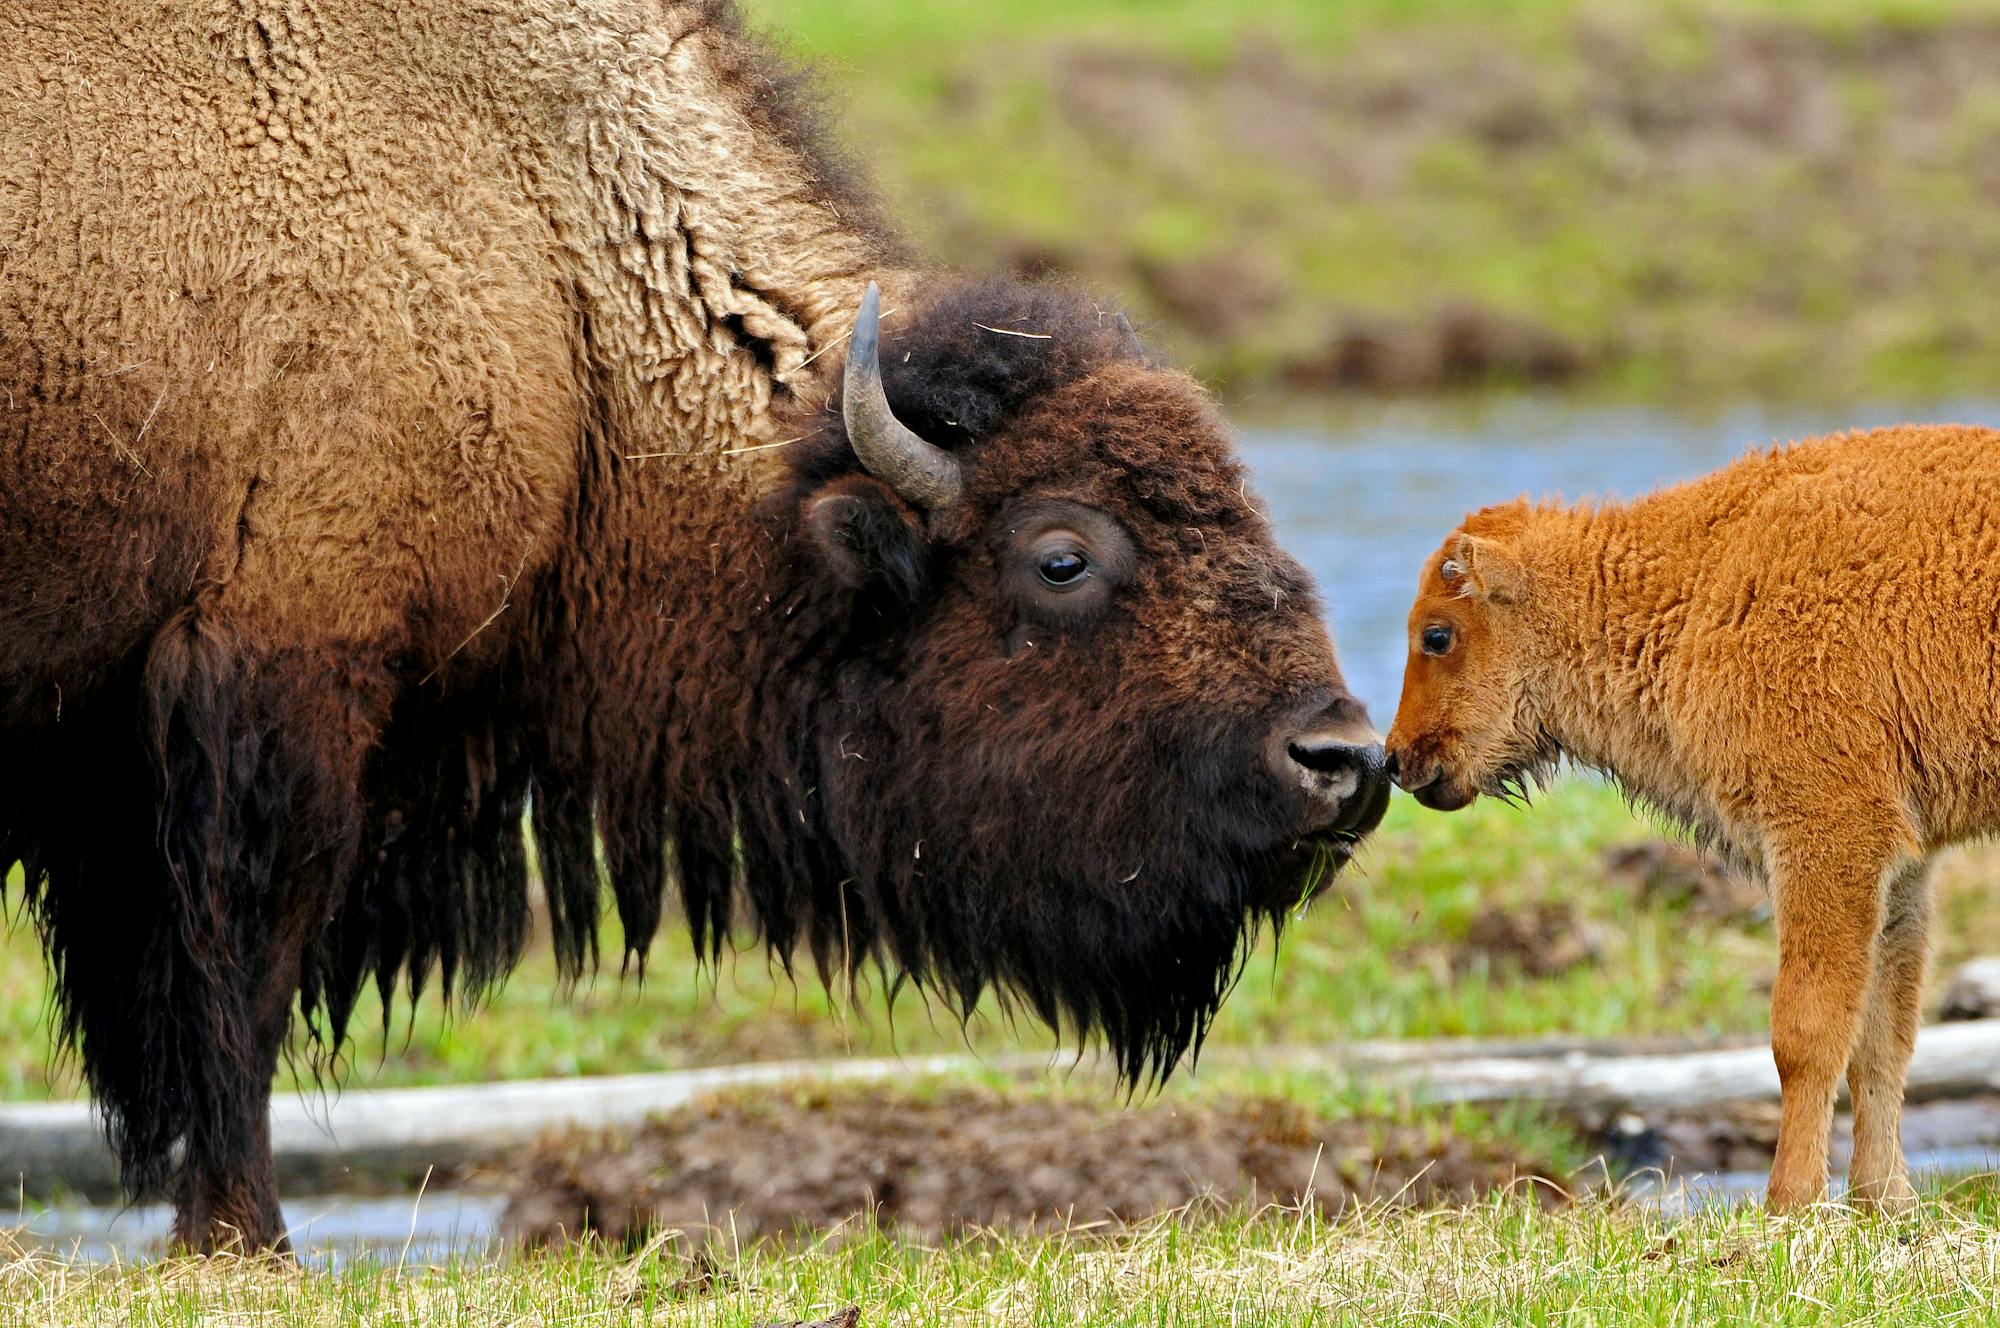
(1878,1178)
(1829,910)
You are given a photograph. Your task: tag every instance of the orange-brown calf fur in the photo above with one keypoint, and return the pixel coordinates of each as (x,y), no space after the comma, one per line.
(1796,657)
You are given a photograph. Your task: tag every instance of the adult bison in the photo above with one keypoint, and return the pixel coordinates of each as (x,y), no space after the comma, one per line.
(424,418)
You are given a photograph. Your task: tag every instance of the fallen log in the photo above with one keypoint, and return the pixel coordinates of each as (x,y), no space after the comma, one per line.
(393,1136)
(378,1137)
(1951,1060)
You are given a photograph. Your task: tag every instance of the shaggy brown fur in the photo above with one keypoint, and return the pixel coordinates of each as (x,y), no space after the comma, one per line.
(413,421)
(1796,657)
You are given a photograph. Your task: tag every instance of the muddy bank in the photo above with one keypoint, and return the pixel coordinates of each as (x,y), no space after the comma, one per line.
(965,1160)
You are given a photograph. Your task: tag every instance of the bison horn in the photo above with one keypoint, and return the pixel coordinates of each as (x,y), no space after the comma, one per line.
(923,473)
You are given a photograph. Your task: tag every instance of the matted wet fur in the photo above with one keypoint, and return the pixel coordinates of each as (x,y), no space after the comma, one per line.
(1794,657)
(427,421)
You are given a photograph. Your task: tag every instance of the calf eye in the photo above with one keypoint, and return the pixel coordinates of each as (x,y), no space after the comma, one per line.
(1063,568)
(1437,639)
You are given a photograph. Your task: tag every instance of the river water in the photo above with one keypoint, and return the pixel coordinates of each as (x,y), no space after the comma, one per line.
(436,1227)
(331,1230)
(1362,505)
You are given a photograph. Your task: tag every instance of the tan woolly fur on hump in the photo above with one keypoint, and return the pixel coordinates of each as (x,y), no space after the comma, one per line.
(433,256)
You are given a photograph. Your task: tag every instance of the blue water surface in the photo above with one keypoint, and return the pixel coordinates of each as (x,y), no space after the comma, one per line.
(1363,506)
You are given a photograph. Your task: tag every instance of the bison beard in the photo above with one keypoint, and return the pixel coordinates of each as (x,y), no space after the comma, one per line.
(1132,929)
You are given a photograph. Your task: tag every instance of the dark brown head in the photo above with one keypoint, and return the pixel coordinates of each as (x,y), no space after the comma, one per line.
(1073,718)
(1462,726)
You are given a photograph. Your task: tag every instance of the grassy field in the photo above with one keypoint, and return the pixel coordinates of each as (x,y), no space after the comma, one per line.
(1506,1262)
(1397,950)
(1780,199)
(1493,922)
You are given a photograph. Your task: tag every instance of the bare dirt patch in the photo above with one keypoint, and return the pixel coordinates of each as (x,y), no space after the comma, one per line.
(966,1160)
(847,1318)
(1663,874)
(1540,940)
(1462,345)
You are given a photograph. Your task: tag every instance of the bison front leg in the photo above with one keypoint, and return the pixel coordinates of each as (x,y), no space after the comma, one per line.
(259,752)
(1878,1179)
(1829,904)
(228,1191)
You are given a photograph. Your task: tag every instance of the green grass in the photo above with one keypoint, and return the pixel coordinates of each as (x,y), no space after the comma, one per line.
(1505,1262)
(1499,168)
(879,36)
(1371,958)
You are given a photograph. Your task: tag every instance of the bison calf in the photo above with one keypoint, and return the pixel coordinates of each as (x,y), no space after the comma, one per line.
(1794,656)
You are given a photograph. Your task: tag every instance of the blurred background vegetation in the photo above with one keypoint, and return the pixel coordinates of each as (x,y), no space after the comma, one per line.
(1630,201)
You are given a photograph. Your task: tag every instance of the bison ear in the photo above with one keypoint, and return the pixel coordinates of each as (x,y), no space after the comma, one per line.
(1492,571)
(869,540)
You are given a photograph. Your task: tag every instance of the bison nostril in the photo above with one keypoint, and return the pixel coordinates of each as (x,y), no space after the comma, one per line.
(1329,756)
(1390,767)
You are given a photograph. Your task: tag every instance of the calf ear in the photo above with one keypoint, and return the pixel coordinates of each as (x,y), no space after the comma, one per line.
(869,540)
(1492,571)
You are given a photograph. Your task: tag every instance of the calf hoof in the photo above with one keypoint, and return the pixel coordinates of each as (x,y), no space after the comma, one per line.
(1893,1197)
(1786,1196)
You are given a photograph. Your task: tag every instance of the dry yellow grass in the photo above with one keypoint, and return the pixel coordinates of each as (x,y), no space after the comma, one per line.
(1501,1263)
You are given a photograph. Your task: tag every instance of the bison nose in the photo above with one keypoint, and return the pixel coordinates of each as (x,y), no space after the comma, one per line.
(1335,760)
(1341,772)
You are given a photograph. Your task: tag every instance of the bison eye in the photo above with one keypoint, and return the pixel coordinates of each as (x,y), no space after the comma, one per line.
(1063,569)
(1061,564)
(1437,639)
